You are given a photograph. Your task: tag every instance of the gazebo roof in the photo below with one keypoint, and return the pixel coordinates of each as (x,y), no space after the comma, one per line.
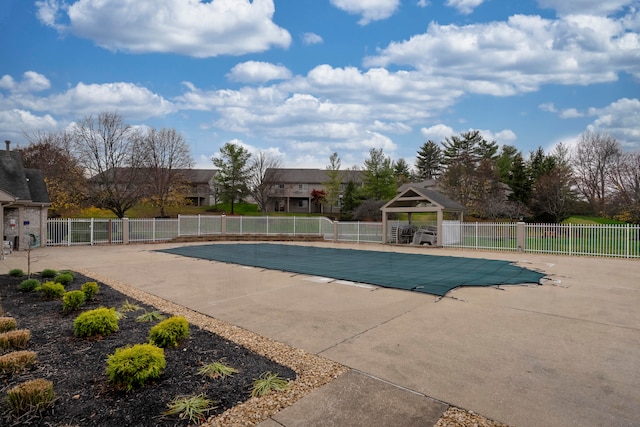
(416,199)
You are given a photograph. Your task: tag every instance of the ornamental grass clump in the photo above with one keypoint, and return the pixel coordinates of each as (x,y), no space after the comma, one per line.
(129,306)
(168,332)
(150,316)
(29,285)
(97,322)
(267,382)
(192,408)
(7,324)
(51,290)
(16,361)
(72,301)
(133,366)
(90,290)
(217,370)
(31,396)
(17,339)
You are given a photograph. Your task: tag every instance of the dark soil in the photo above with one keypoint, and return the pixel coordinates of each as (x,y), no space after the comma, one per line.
(85,397)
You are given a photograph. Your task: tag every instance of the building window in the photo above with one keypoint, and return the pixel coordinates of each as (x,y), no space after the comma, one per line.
(302,187)
(303,203)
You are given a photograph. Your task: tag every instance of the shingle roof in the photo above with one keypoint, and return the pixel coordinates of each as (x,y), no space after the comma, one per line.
(37,186)
(313,176)
(26,185)
(12,177)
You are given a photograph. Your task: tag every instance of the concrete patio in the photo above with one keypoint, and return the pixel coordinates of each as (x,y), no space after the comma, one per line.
(562,354)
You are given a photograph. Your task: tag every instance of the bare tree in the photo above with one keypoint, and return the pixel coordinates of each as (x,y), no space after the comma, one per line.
(553,194)
(266,172)
(594,155)
(110,152)
(334,181)
(625,176)
(66,183)
(166,154)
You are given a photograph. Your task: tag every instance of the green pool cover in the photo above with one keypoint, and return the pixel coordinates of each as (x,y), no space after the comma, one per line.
(430,274)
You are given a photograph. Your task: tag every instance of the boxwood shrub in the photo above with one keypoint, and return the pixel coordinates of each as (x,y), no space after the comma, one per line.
(100,321)
(133,366)
(168,332)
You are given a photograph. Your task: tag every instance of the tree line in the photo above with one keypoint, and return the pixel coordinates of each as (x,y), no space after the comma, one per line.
(102,161)
(596,177)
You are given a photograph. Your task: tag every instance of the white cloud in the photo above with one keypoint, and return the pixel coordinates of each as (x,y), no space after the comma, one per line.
(549,107)
(519,55)
(464,6)
(185,27)
(132,101)
(423,3)
(592,7)
(570,113)
(437,132)
(619,119)
(311,38)
(258,72)
(370,10)
(16,122)
(31,82)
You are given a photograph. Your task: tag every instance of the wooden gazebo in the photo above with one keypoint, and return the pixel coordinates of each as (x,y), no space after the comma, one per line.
(416,199)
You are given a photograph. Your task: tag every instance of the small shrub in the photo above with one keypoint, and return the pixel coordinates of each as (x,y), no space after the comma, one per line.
(168,332)
(133,366)
(100,321)
(72,301)
(31,396)
(48,273)
(7,324)
(29,285)
(64,278)
(16,272)
(16,361)
(16,339)
(217,369)
(51,290)
(90,290)
(267,382)
(150,316)
(127,307)
(192,408)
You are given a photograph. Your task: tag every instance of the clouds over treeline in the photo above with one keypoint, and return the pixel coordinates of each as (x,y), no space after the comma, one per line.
(397,89)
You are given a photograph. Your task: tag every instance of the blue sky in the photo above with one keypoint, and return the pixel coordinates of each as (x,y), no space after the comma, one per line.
(302,79)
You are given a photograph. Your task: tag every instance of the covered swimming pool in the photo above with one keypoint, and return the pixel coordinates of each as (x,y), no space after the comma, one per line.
(431,274)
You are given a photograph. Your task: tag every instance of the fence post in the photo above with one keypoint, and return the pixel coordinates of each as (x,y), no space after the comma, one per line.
(68,231)
(110,231)
(91,231)
(294,225)
(520,236)
(125,231)
(335,231)
(198,224)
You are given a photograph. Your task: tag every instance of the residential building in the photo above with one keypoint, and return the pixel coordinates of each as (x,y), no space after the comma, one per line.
(293,188)
(24,202)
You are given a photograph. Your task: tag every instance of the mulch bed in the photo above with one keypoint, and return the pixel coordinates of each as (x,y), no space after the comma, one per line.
(77,366)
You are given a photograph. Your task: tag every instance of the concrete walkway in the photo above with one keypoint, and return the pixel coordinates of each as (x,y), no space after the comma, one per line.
(562,354)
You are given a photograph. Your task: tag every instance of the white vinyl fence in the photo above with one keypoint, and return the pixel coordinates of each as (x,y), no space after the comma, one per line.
(566,239)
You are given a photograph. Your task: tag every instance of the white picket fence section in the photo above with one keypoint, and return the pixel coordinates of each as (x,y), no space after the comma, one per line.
(621,241)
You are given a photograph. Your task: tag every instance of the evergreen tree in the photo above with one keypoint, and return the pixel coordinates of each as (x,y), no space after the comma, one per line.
(402,171)
(429,161)
(233,174)
(379,179)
